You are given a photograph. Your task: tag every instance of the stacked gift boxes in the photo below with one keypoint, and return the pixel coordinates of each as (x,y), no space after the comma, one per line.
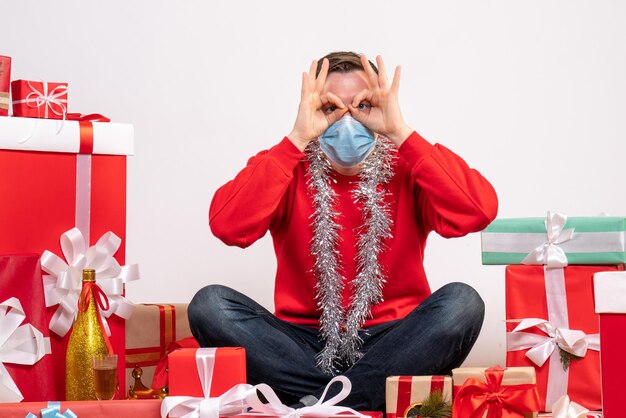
(151,333)
(550,309)
(60,181)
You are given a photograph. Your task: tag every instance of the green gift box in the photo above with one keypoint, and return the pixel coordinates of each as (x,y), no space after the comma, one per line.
(555,241)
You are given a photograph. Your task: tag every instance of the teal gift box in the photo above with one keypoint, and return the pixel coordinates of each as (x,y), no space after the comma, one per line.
(555,241)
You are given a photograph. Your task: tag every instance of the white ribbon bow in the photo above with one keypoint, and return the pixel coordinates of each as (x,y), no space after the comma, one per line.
(320,409)
(549,253)
(540,347)
(64,283)
(563,408)
(19,344)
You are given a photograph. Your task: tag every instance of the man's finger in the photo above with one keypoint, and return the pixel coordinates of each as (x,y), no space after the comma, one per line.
(371,75)
(336,115)
(382,73)
(328,97)
(313,69)
(395,84)
(321,78)
(365,94)
(305,85)
(358,114)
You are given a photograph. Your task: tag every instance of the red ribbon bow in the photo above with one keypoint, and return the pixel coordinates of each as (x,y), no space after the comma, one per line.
(476,397)
(92,117)
(102,302)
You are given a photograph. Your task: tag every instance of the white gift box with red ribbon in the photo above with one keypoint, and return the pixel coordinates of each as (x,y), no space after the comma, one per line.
(28,134)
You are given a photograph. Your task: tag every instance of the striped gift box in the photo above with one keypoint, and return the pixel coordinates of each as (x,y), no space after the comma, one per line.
(581,240)
(403,392)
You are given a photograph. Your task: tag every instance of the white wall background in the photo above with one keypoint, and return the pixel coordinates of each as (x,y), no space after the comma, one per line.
(531,93)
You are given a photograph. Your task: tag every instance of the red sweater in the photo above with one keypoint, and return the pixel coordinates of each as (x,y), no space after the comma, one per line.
(432,189)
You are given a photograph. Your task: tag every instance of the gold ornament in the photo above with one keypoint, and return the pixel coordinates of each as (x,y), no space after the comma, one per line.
(139,391)
(87,338)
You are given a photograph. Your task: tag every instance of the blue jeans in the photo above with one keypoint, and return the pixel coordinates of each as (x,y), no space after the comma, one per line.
(433,339)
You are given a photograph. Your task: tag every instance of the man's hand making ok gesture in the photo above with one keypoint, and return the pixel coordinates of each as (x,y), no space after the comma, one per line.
(314,116)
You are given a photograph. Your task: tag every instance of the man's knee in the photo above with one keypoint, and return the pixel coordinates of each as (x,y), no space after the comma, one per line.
(207,302)
(465,303)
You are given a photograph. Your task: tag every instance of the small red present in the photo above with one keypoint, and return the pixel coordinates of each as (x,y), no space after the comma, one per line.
(610,297)
(495,392)
(5,79)
(402,392)
(39,99)
(554,328)
(223,368)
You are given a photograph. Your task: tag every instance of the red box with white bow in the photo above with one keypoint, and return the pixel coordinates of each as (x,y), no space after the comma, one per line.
(224,368)
(55,176)
(39,99)
(553,327)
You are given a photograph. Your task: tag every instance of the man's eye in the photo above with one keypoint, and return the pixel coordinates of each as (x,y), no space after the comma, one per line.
(330,109)
(363,106)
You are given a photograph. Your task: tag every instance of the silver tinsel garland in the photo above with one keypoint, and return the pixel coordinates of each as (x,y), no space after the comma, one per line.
(340,328)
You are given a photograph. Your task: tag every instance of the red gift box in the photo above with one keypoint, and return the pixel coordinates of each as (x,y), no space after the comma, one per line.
(229,369)
(25,270)
(610,298)
(403,391)
(564,298)
(148,408)
(5,78)
(39,99)
(45,194)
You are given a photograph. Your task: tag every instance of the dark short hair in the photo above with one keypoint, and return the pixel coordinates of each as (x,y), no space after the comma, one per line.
(343,62)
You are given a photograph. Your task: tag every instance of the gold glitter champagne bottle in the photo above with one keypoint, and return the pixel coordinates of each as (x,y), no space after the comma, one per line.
(87,338)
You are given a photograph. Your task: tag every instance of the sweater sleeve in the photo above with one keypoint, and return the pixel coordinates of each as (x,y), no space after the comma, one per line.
(451,198)
(242,209)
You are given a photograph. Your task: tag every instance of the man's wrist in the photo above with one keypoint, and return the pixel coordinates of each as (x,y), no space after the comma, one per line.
(297,141)
(400,135)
